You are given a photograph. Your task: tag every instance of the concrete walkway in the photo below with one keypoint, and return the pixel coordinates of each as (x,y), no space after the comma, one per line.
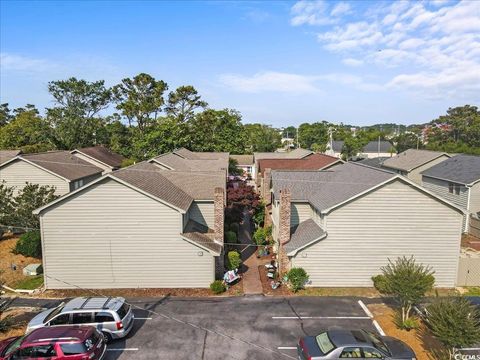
(251,278)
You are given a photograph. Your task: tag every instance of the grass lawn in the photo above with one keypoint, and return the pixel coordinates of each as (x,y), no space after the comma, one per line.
(30,283)
(473,291)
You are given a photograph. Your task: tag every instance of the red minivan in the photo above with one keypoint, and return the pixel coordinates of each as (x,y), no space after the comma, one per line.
(56,343)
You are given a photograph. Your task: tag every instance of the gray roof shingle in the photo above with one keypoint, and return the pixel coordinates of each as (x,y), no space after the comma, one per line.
(243,159)
(461,169)
(411,159)
(63,164)
(371,147)
(103,155)
(374,162)
(6,155)
(294,154)
(303,234)
(196,161)
(201,235)
(325,189)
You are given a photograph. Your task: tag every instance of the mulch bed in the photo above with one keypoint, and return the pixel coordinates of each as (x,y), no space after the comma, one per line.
(282,290)
(470,241)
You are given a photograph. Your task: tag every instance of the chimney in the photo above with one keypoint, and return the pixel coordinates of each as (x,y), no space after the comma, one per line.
(284,230)
(219,214)
(267,179)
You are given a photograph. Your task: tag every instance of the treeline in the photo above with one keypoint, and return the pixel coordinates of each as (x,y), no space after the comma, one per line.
(148,121)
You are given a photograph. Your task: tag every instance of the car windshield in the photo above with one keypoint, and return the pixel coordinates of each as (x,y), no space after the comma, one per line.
(324,343)
(378,343)
(54,312)
(14,345)
(123,310)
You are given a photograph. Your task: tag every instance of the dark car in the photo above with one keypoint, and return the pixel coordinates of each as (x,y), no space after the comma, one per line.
(56,343)
(356,344)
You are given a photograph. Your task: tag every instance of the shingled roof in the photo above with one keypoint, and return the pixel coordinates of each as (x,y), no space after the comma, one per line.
(303,234)
(186,160)
(328,188)
(460,169)
(294,154)
(202,236)
(411,159)
(371,147)
(312,162)
(6,155)
(243,159)
(62,163)
(102,154)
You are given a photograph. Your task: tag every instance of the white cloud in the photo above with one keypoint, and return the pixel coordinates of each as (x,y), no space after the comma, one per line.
(311,12)
(14,62)
(352,62)
(341,8)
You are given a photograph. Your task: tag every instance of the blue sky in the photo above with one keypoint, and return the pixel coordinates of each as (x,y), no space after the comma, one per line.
(278,63)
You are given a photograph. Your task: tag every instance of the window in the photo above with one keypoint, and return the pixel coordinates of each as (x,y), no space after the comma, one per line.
(13,345)
(324,343)
(351,353)
(102,317)
(123,311)
(371,353)
(82,318)
(454,188)
(61,320)
(73,349)
(77,184)
(44,351)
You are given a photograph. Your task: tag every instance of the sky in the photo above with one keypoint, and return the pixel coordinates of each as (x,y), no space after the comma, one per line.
(278,62)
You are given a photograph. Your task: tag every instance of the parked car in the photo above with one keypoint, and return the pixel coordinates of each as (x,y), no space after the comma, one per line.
(112,316)
(342,344)
(56,343)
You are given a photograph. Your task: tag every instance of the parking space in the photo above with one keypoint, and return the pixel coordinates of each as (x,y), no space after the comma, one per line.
(234,328)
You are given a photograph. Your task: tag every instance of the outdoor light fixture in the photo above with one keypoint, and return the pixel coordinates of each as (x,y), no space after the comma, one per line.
(200,253)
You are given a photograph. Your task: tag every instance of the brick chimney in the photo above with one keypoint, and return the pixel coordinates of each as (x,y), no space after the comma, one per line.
(267,179)
(219,214)
(284,229)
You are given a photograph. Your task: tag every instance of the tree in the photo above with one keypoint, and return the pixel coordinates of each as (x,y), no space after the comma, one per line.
(232,167)
(290,132)
(406,281)
(7,207)
(407,141)
(261,138)
(73,119)
(31,197)
(140,99)
(183,102)
(27,131)
(217,130)
(351,147)
(310,134)
(5,114)
(455,323)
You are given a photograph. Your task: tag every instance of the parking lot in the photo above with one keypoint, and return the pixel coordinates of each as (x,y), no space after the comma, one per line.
(233,328)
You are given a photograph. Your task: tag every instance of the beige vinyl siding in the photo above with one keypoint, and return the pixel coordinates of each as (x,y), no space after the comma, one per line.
(18,172)
(475,198)
(440,187)
(203,213)
(85,181)
(416,174)
(392,221)
(105,168)
(300,212)
(111,236)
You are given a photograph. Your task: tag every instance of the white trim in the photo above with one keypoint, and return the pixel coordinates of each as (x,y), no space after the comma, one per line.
(294,252)
(200,246)
(394,178)
(19,157)
(92,158)
(109,175)
(160,163)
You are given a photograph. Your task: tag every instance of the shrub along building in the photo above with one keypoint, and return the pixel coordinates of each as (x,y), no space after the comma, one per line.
(341,225)
(140,226)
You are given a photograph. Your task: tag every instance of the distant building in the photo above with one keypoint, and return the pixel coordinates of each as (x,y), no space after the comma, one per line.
(373,149)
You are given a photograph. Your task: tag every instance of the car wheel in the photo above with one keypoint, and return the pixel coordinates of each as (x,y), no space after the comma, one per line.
(108,337)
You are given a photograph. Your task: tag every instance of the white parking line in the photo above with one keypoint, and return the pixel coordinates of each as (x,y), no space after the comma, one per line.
(320,317)
(139,318)
(123,349)
(287,348)
(379,329)
(470,349)
(364,307)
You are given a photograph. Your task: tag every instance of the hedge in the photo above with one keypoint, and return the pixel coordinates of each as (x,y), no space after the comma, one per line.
(29,244)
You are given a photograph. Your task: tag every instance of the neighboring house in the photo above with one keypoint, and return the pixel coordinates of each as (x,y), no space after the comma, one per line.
(458,180)
(186,160)
(60,169)
(245,163)
(6,155)
(342,225)
(311,162)
(138,227)
(411,163)
(373,149)
(374,162)
(101,157)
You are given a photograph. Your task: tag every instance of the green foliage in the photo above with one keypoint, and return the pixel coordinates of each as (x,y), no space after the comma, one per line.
(231,237)
(232,167)
(30,283)
(218,287)
(234,227)
(31,197)
(183,102)
(297,277)
(313,135)
(29,244)
(259,215)
(289,132)
(352,146)
(261,138)
(140,99)
(127,162)
(6,323)
(260,236)
(234,260)
(407,324)
(5,114)
(406,281)
(455,322)
(407,141)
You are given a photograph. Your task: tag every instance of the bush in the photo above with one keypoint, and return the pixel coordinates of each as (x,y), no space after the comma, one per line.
(218,287)
(260,236)
(407,324)
(230,237)
(6,324)
(297,277)
(29,244)
(234,227)
(234,260)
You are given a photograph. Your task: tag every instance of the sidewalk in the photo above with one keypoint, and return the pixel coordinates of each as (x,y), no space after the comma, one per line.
(251,278)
